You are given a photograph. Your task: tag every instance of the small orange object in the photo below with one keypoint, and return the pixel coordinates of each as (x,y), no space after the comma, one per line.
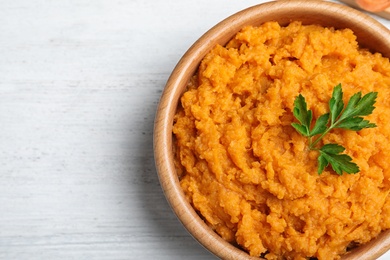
(373,5)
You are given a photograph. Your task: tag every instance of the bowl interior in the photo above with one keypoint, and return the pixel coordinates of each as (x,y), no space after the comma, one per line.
(370,33)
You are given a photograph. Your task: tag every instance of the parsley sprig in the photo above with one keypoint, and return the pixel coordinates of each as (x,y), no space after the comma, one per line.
(349,118)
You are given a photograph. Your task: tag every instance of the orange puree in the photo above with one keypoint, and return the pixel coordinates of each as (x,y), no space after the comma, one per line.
(250,175)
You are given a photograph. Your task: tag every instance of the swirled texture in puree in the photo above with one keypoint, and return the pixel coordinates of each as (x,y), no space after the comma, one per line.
(250,175)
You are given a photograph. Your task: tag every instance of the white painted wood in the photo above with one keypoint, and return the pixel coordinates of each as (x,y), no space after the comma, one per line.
(79,85)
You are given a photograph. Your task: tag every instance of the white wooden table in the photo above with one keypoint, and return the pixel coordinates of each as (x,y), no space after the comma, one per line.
(79,85)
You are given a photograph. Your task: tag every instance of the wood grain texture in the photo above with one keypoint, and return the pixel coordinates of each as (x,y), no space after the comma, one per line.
(79,85)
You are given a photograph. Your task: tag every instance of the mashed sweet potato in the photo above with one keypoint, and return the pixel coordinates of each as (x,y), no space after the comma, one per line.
(251,176)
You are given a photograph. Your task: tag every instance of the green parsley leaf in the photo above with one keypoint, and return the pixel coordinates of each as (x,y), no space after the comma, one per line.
(336,103)
(360,106)
(320,125)
(348,118)
(303,115)
(331,154)
(356,124)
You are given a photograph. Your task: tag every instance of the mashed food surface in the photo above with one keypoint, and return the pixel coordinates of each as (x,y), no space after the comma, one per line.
(251,176)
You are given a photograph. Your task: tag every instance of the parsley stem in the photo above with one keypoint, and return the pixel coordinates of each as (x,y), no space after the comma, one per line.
(332,126)
(313,144)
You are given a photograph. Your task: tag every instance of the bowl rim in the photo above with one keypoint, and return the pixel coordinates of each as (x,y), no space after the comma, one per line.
(375,36)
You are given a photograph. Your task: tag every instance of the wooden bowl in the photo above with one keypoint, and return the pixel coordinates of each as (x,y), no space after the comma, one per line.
(371,34)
